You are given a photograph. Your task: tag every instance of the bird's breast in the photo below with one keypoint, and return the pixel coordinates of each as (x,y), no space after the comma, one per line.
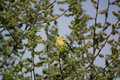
(60,43)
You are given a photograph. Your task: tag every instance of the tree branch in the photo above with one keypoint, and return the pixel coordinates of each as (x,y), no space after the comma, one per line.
(107,65)
(56,18)
(103,69)
(47,47)
(60,68)
(6,58)
(102,46)
(43,11)
(106,40)
(2,30)
(22,54)
(31,73)
(94,30)
(13,47)
(11,51)
(62,14)
(21,38)
(33,64)
(76,74)
(106,14)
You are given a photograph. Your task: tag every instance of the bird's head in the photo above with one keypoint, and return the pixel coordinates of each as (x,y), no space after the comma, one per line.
(58,35)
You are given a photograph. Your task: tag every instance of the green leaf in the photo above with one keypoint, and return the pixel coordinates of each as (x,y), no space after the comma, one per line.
(40,63)
(101,55)
(103,11)
(115,14)
(106,62)
(61,9)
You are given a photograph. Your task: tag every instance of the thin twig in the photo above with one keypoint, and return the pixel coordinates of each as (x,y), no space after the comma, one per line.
(43,11)
(103,69)
(94,48)
(106,40)
(62,14)
(22,54)
(47,47)
(13,48)
(11,51)
(76,74)
(56,18)
(3,62)
(31,73)
(18,42)
(102,46)
(2,31)
(48,66)
(33,64)
(51,4)
(107,65)
(48,6)
(60,67)
(86,52)
(100,50)
(106,14)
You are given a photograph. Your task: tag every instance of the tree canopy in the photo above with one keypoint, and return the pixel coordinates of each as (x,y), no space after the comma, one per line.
(28,49)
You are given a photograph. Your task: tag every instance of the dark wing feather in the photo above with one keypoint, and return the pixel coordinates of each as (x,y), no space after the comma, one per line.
(68,45)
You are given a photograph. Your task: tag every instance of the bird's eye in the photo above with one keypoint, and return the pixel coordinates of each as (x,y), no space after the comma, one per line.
(57,35)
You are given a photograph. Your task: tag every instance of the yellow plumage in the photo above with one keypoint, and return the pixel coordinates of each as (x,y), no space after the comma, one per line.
(62,42)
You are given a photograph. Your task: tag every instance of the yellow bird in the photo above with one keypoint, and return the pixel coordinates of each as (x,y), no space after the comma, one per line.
(62,42)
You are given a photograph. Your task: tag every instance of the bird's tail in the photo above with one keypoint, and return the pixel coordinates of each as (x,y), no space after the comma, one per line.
(70,48)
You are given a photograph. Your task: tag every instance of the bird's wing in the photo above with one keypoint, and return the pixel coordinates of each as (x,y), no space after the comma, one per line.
(65,41)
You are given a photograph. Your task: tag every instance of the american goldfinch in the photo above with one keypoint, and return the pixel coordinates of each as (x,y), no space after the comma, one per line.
(62,42)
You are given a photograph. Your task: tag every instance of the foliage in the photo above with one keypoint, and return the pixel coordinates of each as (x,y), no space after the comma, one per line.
(27,54)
